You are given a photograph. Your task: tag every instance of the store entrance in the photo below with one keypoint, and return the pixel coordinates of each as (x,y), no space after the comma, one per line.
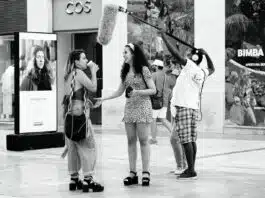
(88,42)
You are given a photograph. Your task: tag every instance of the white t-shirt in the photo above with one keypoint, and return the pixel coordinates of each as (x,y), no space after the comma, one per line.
(188,86)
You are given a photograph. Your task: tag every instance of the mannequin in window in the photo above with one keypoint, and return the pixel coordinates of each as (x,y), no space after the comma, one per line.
(8,91)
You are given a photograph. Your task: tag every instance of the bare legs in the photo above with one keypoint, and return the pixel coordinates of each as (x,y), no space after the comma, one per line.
(140,130)
(165,122)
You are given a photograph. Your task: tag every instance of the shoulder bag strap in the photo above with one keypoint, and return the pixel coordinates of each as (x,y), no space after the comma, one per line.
(164,84)
(72,90)
(70,99)
(69,108)
(200,95)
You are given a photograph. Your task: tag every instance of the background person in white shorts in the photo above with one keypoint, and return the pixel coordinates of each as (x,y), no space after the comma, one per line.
(185,101)
(164,85)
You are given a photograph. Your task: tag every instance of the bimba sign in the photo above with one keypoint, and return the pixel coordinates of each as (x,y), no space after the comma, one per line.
(250,52)
(78,7)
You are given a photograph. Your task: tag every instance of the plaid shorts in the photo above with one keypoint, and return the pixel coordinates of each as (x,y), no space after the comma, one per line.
(185,126)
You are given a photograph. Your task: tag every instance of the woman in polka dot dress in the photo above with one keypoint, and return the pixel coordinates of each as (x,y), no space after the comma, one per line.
(137,82)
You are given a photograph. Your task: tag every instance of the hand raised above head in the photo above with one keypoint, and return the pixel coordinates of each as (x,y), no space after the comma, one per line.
(201,50)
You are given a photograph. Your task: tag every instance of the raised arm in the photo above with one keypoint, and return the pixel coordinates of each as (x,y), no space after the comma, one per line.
(209,62)
(82,78)
(173,50)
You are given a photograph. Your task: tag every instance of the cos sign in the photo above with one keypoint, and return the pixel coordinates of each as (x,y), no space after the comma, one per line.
(78,7)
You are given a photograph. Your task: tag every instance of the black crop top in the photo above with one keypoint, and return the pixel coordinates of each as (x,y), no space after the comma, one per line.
(77,95)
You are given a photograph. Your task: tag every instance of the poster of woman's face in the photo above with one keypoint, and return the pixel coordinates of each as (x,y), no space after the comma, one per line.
(37,65)
(37,82)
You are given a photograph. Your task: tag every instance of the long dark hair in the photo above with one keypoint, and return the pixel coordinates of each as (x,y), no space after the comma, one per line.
(72,57)
(46,70)
(139,60)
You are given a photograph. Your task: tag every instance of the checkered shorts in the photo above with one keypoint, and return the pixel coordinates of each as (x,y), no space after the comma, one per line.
(185,126)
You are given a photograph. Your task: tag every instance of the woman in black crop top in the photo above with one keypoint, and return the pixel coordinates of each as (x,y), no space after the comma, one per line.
(81,154)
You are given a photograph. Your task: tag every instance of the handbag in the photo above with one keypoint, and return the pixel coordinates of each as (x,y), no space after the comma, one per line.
(75,126)
(156,100)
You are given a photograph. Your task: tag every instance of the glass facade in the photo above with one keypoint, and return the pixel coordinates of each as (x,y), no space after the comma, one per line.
(7,71)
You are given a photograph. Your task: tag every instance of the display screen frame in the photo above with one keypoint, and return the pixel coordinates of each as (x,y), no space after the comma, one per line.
(22,113)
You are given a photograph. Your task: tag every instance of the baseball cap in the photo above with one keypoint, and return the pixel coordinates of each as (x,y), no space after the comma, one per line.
(158,63)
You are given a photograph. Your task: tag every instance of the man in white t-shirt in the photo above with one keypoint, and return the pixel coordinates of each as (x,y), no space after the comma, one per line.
(185,102)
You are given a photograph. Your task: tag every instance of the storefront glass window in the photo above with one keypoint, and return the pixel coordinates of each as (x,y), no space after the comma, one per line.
(245,64)
(7,78)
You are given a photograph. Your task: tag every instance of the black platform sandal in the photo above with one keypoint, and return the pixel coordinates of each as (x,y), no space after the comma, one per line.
(89,184)
(75,184)
(146,180)
(131,180)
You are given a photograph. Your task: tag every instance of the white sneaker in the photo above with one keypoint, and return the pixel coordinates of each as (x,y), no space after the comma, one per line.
(177,171)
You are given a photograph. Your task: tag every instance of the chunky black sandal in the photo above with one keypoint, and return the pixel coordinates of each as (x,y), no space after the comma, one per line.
(90,185)
(146,180)
(75,184)
(131,180)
